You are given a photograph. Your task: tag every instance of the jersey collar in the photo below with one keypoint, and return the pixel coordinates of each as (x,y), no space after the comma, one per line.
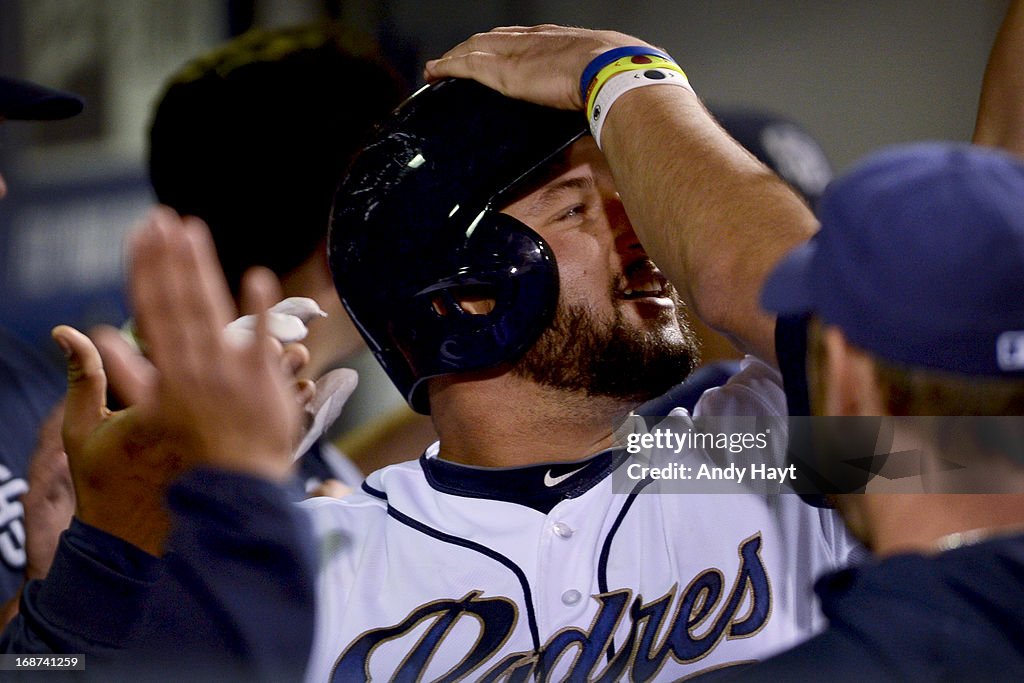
(540,487)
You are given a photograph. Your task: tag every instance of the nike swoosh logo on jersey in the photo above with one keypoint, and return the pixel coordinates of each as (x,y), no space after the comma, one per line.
(550,481)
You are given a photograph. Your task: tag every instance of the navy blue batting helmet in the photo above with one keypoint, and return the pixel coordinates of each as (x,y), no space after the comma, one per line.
(415,230)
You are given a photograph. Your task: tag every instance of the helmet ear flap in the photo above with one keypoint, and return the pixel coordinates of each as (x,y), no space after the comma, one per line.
(509,272)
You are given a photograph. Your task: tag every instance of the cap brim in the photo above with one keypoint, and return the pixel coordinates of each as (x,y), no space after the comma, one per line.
(787,290)
(26,101)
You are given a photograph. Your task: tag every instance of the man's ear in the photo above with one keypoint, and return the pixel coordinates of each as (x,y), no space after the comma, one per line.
(475,300)
(849,385)
(476,304)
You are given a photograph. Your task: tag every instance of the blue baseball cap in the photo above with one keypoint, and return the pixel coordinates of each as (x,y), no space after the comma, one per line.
(919,260)
(27,101)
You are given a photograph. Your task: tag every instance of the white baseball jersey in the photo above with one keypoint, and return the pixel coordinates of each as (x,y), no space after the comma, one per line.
(437,571)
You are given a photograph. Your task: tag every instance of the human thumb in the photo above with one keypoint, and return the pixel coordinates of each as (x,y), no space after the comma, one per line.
(87,385)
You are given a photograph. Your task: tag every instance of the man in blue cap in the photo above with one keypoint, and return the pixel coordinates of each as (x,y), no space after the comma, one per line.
(918,221)
(917,301)
(29,385)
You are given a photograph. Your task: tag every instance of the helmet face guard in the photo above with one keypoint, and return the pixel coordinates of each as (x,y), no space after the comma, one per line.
(415,231)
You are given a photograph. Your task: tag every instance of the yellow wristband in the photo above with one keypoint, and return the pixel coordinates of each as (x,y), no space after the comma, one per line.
(634,63)
(622,83)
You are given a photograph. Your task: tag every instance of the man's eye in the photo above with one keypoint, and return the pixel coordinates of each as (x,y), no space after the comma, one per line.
(572,212)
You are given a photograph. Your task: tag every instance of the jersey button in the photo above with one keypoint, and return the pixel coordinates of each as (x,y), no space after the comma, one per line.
(571,597)
(562,529)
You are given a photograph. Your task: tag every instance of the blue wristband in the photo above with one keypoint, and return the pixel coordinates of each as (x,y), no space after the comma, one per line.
(606,58)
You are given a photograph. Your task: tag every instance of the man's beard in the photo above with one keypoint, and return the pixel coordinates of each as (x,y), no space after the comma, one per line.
(578,352)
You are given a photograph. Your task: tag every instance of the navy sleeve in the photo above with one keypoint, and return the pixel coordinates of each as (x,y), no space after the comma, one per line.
(831,655)
(90,600)
(233,597)
(241,577)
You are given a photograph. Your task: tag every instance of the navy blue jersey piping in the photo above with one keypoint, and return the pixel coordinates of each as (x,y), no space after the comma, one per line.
(483,550)
(487,552)
(606,548)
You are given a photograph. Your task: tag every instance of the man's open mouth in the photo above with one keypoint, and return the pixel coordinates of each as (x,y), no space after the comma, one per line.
(643,280)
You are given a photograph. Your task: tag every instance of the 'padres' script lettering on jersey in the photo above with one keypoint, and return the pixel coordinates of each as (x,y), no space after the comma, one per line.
(704,613)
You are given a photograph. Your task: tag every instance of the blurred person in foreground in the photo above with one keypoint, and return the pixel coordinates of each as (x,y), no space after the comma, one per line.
(36,500)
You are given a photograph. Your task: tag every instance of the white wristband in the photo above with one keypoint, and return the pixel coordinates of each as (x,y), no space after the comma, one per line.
(623,82)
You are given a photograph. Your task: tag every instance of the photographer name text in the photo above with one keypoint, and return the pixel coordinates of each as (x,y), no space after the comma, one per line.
(736,473)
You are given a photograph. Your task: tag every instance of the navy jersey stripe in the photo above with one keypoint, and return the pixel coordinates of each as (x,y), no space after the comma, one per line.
(483,550)
(374,492)
(606,548)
